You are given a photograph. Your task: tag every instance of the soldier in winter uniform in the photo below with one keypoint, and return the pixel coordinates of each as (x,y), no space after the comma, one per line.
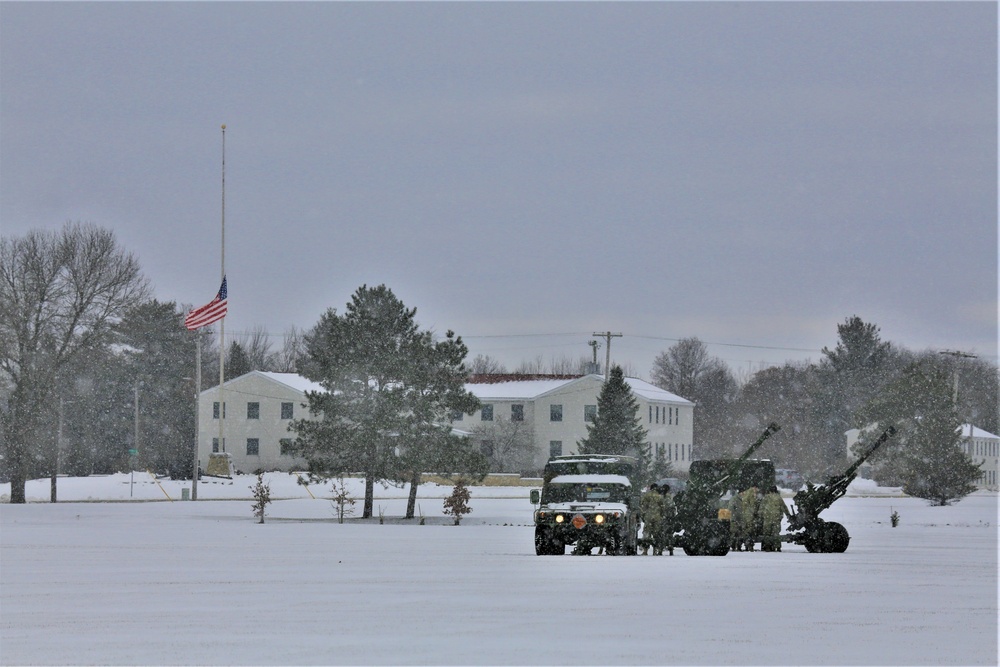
(652,508)
(772,508)
(735,521)
(666,537)
(748,518)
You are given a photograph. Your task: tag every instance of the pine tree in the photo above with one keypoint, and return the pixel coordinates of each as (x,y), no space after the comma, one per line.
(457,504)
(617,428)
(927,453)
(388,391)
(237,362)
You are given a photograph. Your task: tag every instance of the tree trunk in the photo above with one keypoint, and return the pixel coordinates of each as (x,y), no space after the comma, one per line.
(369,496)
(411,503)
(17,481)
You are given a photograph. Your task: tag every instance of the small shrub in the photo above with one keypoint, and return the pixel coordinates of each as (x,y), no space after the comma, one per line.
(262,496)
(457,504)
(342,500)
(894,518)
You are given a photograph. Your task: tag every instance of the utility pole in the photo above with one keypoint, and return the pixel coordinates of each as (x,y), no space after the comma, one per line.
(594,344)
(957,354)
(607,336)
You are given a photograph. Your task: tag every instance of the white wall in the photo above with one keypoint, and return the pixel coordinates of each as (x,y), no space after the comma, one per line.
(269,429)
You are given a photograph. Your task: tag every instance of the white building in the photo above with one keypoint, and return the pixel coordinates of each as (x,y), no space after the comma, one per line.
(258,408)
(981,446)
(558,408)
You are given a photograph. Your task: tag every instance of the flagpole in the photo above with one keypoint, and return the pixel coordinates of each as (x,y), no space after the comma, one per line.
(197,413)
(222,322)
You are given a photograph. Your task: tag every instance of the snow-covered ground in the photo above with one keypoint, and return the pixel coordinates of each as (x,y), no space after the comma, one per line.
(202,583)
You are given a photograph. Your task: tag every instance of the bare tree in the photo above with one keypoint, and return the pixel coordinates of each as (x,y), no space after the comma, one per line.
(687,370)
(256,344)
(60,293)
(486,365)
(293,347)
(680,368)
(532,367)
(508,443)
(565,365)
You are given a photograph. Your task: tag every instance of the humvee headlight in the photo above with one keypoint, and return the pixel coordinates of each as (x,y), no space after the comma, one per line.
(599,518)
(560,518)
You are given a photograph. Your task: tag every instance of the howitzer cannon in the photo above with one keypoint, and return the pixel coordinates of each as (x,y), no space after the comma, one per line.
(700,512)
(817,535)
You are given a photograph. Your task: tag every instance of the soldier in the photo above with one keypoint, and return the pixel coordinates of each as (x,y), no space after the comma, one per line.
(736,521)
(772,508)
(748,523)
(651,507)
(666,538)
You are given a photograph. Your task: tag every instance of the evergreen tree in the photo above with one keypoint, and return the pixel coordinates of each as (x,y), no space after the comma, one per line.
(617,428)
(237,362)
(927,451)
(849,376)
(387,389)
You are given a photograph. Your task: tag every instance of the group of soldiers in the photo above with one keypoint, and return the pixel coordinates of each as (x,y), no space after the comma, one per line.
(659,515)
(755,514)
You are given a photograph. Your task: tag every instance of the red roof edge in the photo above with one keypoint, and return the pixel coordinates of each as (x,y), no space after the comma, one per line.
(495,378)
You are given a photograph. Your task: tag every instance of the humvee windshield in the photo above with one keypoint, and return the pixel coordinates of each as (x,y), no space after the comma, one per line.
(582,493)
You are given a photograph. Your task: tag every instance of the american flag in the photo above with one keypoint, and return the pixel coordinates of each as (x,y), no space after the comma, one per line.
(213,311)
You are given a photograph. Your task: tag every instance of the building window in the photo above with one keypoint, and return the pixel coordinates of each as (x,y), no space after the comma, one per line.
(215,443)
(287,446)
(555,448)
(253,446)
(590,413)
(286,410)
(457,416)
(651,414)
(486,448)
(253,410)
(487,412)
(517,412)
(215,410)
(555,412)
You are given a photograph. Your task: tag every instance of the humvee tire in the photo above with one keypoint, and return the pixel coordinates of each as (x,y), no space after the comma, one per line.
(546,545)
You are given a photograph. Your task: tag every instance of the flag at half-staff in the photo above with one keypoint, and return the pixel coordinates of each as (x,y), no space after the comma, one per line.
(211,312)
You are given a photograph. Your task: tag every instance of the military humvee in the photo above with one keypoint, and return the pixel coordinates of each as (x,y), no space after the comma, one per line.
(588,501)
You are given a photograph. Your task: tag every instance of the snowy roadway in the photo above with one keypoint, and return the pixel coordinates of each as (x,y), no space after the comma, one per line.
(202,583)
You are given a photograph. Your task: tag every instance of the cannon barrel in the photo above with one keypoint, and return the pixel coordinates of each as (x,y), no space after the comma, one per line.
(852,471)
(734,467)
(814,499)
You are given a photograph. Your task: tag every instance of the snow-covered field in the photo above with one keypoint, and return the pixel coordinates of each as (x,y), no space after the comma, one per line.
(202,583)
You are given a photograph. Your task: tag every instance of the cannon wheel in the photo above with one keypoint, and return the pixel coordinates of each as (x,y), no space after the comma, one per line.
(546,545)
(828,537)
(713,540)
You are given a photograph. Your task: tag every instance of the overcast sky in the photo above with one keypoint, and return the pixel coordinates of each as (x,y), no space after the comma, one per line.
(527,174)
